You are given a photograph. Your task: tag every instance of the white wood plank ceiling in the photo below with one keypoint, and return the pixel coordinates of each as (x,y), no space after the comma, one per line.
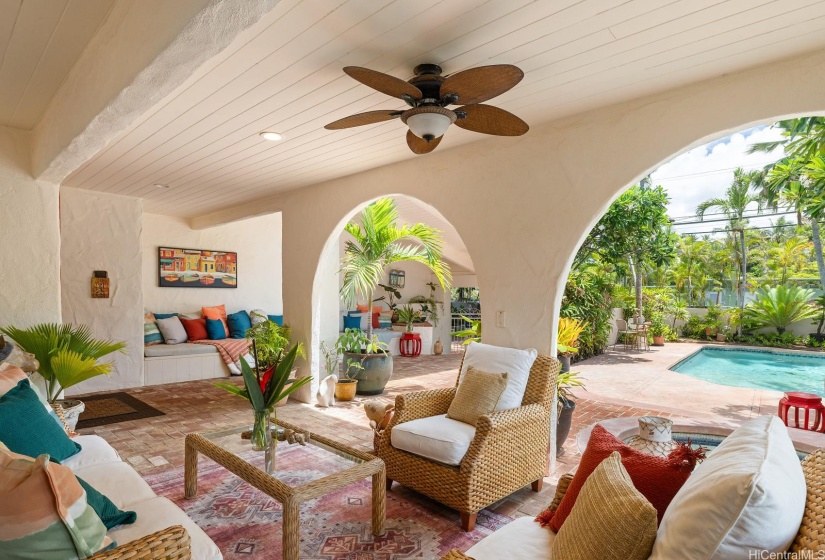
(40,40)
(286,76)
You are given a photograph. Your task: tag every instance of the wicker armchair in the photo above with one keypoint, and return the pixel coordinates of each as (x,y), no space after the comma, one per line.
(169,544)
(508,452)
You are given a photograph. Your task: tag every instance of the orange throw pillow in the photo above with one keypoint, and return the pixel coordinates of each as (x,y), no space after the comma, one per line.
(366,308)
(217,312)
(657,478)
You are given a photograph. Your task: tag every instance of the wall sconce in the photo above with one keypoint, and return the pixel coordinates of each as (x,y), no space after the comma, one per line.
(100,284)
(397,278)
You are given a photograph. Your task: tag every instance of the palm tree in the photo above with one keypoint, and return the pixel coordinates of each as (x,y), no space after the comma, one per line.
(377,243)
(738,197)
(692,254)
(790,255)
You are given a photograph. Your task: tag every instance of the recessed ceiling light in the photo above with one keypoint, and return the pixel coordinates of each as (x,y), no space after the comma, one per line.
(160,186)
(271,136)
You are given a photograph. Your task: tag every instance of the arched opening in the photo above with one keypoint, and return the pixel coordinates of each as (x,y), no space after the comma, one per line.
(413,284)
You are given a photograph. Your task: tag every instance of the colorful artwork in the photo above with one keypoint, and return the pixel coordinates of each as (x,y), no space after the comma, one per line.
(196,268)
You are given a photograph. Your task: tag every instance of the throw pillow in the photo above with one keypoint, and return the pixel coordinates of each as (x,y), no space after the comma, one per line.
(217,312)
(477,395)
(151,333)
(516,363)
(164,316)
(745,501)
(238,323)
(352,322)
(43,511)
(172,330)
(257,316)
(25,426)
(277,319)
(195,329)
(107,511)
(657,478)
(366,308)
(215,330)
(375,323)
(611,519)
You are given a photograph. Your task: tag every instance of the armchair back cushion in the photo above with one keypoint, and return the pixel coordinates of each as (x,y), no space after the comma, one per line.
(477,395)
(515,363)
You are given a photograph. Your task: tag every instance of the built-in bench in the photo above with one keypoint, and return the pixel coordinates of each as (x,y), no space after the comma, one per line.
(173,363)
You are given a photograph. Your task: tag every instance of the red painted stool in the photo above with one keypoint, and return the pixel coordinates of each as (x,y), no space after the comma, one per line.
(807,402)
(410,344)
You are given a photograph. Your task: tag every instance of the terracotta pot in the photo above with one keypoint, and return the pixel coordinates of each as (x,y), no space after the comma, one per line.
(345,390)
(720,337)
(658,340)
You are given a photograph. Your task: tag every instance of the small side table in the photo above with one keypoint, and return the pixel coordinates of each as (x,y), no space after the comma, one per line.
(810,403)
(410,345)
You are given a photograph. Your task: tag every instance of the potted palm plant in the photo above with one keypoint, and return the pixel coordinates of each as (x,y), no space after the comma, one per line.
(358,352)
(68,355)
(376,243)
(567,341)
(566,406)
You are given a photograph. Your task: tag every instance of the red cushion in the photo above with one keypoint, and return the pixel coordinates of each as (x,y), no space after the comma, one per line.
(375,323)
(657,478)
(195,328)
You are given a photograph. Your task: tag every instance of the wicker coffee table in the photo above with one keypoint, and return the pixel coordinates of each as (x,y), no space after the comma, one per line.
(348,465)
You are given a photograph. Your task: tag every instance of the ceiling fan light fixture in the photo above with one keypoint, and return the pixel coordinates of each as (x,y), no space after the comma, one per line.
(271,136)
(428,122)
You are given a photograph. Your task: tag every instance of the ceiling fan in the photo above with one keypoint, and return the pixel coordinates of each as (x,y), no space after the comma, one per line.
(428,93)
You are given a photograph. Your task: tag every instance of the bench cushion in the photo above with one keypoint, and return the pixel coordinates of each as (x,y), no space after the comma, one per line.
(119,482)
(166,350)
(94,451)
(437,438)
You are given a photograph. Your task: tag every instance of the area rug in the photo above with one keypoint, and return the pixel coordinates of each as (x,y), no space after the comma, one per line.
(246,524)
(112,408)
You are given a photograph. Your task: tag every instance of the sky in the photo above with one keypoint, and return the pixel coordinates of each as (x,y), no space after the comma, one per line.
(705,172)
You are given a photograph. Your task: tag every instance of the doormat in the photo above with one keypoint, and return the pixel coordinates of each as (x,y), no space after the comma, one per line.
(112,408)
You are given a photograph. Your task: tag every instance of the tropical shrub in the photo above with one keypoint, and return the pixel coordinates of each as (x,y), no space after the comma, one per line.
(567,341)
(588,295)
(472,333)
(779,306)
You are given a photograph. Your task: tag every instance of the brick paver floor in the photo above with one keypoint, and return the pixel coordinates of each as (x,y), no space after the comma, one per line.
(155,444)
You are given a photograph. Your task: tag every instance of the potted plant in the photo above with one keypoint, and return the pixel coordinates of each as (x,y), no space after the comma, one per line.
(407,315)
(712,320)
(658,329)
(270,341)
(68,355)
(362,362)
(567,341)
(819,320)
(566,406)
(723,334)
(376,243)
(471,333)
(393,294)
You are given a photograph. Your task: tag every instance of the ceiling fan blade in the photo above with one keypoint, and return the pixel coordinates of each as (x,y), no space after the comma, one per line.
(370,117)
(477,85)
(421,146)
(395,87)
(491,120)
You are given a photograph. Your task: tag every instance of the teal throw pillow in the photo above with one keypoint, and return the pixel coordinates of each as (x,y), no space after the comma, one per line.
(215,330)
(238,324)
(277,319)
(105,509)
(26,428)
(352,322)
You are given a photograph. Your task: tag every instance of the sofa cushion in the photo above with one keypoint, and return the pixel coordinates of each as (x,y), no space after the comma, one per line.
(516,363)
(195,328)
(217,312)
(277,319)
(172,330)
(352,322)
(164,351)
(108,512)
(151,333)
(521,539)
(160,316)
(94,451)
(748,497)
(437,438)
(238,324)
(119,481)
(157,514)
(215,329)
(611,519)
(477,395)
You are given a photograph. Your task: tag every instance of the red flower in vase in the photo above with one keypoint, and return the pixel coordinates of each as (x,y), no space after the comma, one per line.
(265,377)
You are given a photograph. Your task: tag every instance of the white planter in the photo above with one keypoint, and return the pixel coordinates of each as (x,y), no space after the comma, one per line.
(72,413)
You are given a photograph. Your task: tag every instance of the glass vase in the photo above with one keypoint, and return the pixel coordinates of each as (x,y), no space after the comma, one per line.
(261,432)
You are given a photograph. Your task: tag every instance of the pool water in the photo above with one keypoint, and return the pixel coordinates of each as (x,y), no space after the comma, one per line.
(757,369)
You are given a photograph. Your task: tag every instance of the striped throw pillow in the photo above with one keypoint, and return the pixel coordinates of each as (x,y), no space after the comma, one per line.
(44,513)
(151,332)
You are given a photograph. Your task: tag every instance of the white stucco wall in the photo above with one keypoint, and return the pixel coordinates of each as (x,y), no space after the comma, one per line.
(102,232)
(30,239)
(258,244)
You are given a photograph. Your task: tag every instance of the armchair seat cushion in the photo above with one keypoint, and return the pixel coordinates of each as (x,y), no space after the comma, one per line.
(522,539)
(437,438)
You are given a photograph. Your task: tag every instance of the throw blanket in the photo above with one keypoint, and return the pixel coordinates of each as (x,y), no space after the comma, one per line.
(231,350)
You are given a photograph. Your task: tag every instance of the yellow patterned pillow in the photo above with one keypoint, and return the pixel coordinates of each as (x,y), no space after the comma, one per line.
(477,395)
(611,519)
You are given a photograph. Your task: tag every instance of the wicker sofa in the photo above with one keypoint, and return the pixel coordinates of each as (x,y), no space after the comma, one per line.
(508,449)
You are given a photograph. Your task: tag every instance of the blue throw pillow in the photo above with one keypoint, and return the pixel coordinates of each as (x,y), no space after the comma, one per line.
(26,428)
(165,315)
(238,324)
(215,330)
(277,319)
(352,322)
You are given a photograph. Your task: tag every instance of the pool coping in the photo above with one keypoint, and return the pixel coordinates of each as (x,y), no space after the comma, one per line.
(745,348)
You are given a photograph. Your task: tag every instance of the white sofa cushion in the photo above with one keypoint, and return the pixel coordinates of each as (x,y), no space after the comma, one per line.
(94,451)
(498,359)
(437,438)
(119,482)
(522,539)
(156,514)
(747,496)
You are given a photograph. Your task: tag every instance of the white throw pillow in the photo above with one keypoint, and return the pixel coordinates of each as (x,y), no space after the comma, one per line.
(747,496)
(498,359)
(172,330)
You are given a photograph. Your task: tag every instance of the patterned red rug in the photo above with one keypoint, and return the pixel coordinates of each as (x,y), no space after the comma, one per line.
(246,524)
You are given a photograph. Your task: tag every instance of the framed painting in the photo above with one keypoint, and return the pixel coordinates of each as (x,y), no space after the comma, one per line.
(196,268)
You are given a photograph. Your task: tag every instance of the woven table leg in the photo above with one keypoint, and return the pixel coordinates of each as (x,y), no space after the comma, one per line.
(379,501)
(291,527)
(190,470)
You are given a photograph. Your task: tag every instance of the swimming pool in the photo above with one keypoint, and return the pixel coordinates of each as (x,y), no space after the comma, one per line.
(757,369)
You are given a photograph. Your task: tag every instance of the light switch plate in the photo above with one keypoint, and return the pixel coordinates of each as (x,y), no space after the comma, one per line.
(501,319)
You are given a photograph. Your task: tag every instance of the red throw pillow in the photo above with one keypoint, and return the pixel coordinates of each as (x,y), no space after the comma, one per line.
(375,323)
(195,328)
(657,478)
